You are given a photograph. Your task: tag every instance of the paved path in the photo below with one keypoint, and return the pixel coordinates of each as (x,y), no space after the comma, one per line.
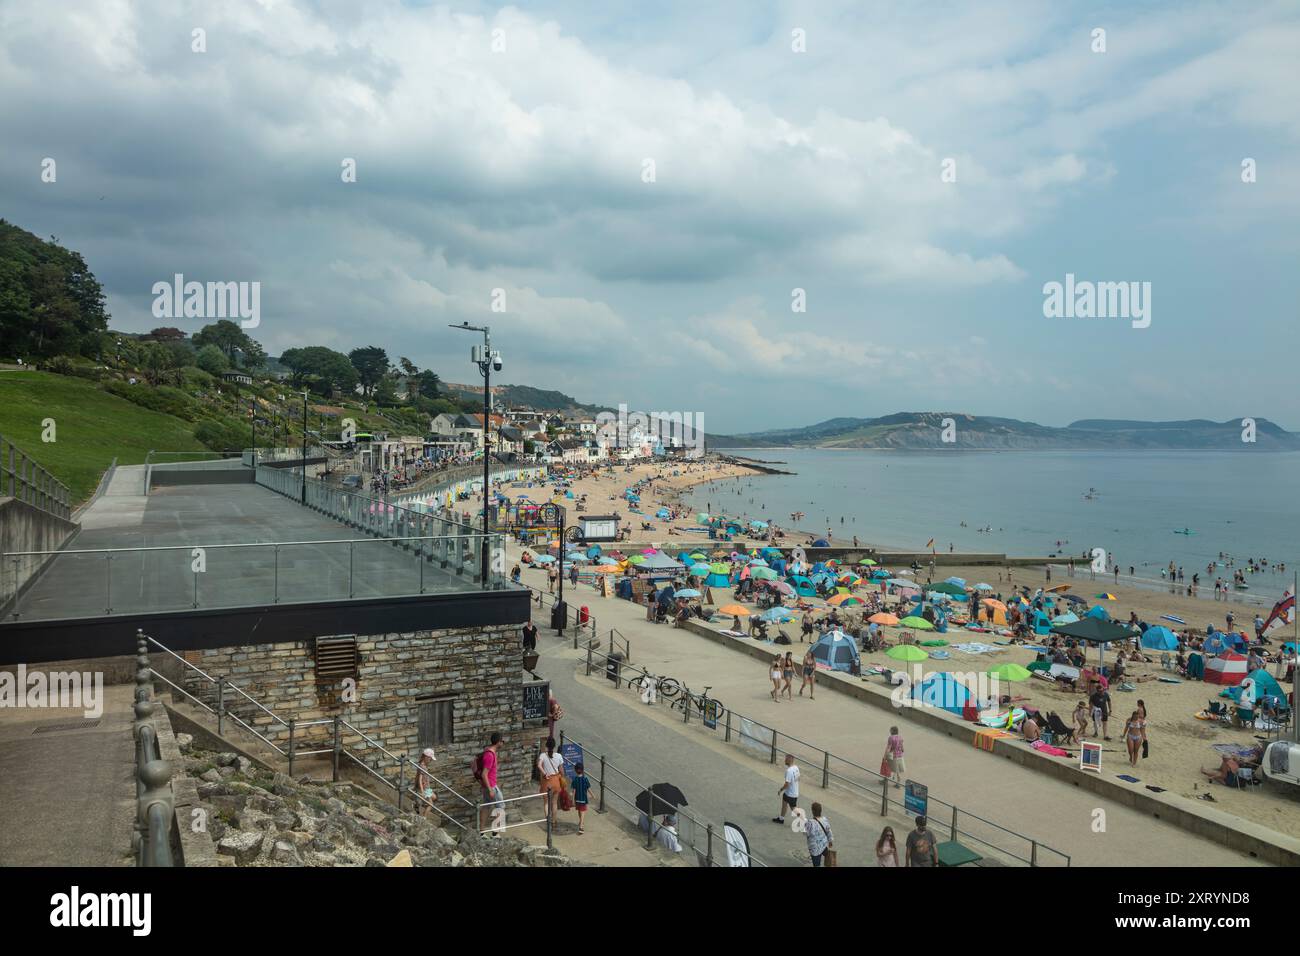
(997,790)
(68,794)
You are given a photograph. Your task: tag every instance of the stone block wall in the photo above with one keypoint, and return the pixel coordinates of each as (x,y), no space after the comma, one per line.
(479,667)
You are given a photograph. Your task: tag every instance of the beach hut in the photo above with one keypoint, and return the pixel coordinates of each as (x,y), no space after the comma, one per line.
(1228,668)
(941,690)
(837,651)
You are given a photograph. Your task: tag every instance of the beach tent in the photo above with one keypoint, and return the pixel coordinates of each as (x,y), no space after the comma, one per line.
(1159,638)
(1263,686)
(942,690)
(837,651)
(1228,668)
(1099,613)
(821,543)
(1042,623)
(1214,644)
(802,586)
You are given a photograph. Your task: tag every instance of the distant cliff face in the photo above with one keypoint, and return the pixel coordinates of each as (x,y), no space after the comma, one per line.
(953,430)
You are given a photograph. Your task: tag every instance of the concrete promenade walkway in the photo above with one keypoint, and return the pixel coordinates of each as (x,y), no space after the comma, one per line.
(956,772)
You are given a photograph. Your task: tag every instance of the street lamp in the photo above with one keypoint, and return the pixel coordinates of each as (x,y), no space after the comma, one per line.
(304,446)
(486,360)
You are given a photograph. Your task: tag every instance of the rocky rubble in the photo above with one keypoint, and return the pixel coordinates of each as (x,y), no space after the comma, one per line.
(258,818)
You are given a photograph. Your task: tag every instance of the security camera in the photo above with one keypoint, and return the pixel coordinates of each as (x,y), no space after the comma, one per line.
(496,363)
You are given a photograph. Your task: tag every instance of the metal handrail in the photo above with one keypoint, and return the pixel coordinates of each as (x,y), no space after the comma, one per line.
(23,479)
(686,695)
(251,544)
(292,725)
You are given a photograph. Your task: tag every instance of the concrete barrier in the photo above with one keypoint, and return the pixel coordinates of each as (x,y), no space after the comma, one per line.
(1242,835)
(24,527)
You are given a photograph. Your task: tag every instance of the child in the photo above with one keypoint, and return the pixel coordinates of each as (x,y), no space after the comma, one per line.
(581,787)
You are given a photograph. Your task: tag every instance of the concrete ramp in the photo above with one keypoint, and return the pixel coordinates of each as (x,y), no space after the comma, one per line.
(127,480)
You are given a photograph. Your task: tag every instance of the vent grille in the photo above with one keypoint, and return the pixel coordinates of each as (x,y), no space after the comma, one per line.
(336,659)
(66,725)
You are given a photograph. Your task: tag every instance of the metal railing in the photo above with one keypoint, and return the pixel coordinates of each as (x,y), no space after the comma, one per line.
(181,577)
(700,836)
(23,479)
(291,746)
(572,618)
(758,739)
(386,520)
(155,800)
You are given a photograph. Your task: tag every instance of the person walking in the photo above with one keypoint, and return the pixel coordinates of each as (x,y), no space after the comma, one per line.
(886,848)
(550,766)
(789,789)
(774,674)
(921,849)
(820,839)
(424,781)
(485,772)
(1100,701)
(809,675)
(787,675)
(530,636)
(1135,732)
(894,756)
(581,793)
(1142,709)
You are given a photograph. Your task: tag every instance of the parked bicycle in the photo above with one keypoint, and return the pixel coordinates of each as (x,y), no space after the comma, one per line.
(664,687)
(704,705)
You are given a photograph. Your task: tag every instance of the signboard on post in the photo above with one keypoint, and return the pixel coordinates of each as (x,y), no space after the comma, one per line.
(572,755)
(1090,757)
(916,798)
(537,695)
(711,712)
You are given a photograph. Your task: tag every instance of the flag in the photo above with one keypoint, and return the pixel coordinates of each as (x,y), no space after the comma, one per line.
(1283,612)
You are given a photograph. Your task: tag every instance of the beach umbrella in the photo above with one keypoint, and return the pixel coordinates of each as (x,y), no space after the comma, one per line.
(637,559)
(1069,617)
(1058,588)
(736,610)
(1106,596)
(758,524)
(960,582)
(660,799)
(686,593)
(757,563)
(884,618)
(1010,671)
(593,551)
(920,623)
(948,587)
(543,559)
(983,587)
(577,557)
(1073,599)
(1160,638)
(994,603)
(904,571)
(902,583)
(699,556)
(780,587)
(719,568)
(607,569)
(702,517)
(606,560)
(840,600)
(907,652)
(867,562)
(763,574)
(777,615)
(700,570)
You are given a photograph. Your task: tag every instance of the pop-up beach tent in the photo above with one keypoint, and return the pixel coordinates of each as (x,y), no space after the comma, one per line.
(1228,668)
(838,651)
(942,690)
(1263,686)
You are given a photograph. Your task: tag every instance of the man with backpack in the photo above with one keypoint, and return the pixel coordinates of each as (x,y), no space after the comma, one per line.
(485,772)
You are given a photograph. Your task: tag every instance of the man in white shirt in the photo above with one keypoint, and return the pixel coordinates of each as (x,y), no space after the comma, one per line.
(789,789)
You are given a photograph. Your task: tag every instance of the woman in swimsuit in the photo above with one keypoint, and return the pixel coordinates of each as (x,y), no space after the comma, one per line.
(1135,731)
(809,675)
(774,674)
(787,675)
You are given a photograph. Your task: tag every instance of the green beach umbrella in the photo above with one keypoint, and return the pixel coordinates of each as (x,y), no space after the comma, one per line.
(636,559)
(719,568)
(946,587)
(920,623)
(1009,671)
(867,562)
(701,517)
(763,574)
(907,652)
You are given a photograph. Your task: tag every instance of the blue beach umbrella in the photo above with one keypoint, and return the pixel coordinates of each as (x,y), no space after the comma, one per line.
(686,593)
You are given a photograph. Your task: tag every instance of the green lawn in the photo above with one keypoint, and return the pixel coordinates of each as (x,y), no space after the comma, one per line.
(92,427)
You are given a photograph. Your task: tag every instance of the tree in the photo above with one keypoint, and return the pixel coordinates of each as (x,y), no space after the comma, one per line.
(371,364)
(386,392)
(50,302)
(212,360)
(231,339)
(167,334)
(425,384)
(321,368)
(156,362)
(409,368)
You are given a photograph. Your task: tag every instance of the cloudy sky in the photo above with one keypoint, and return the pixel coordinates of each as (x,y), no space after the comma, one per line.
(794,146)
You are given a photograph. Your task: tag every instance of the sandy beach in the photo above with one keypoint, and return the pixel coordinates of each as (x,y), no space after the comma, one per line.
(1180,744)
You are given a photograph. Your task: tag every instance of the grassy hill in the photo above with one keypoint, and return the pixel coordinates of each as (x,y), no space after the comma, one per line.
(92,427)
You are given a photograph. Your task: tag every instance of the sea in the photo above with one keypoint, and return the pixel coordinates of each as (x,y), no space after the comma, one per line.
(1241,504)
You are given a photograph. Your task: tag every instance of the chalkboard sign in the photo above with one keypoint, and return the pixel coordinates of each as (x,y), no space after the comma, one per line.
(537,695)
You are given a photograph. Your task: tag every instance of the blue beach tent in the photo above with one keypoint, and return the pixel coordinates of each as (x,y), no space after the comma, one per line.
(941,690)
(838,651)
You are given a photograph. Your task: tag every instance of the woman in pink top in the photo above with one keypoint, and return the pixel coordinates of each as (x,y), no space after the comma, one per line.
(894,756)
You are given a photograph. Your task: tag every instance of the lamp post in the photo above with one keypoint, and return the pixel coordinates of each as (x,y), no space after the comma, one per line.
(304,446)
(486,360)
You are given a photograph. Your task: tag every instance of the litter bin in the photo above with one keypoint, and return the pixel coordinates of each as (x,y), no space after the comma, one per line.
(559,616)
(613,667)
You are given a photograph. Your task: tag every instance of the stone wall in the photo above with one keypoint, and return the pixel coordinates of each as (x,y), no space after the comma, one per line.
(479,667)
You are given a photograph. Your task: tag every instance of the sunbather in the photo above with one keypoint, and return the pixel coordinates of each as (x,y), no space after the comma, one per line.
(1227,772)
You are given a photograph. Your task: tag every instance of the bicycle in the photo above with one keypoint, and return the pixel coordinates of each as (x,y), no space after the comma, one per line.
(704,704)
(664,687)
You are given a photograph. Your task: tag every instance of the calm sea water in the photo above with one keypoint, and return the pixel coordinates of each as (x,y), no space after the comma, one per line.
(1240,503)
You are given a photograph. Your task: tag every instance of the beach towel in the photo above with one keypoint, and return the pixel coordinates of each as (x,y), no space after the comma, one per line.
(976,648)
(1124,776)
(1043,748)
(1169,680)
(939,655)
(984,738)
(1234,750)
(1004,720)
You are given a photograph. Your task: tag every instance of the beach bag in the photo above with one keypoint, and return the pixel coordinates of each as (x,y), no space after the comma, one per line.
(885,769)
(1144,749)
